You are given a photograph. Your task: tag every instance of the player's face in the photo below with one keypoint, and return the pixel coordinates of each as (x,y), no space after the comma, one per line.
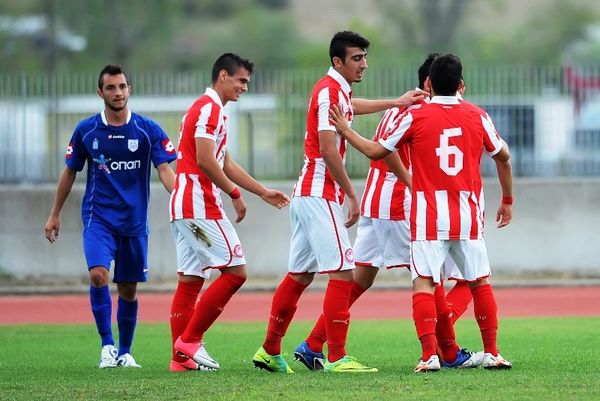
(115,91)
(236,84)
(354,65)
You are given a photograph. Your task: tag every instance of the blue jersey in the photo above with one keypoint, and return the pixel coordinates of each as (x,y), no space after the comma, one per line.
(118,173)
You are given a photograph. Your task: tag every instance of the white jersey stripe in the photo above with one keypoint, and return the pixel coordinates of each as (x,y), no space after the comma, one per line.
(198,198)
(421,220)
(178,208)
(369,195)
(465,214)
(443,214)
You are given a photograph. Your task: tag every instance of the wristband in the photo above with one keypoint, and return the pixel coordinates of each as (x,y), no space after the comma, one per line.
(235,194)
(507,200)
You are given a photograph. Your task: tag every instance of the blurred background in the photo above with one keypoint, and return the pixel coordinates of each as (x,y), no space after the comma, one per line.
(534,65)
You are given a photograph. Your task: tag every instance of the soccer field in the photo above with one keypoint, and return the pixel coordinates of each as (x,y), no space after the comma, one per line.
(553,359)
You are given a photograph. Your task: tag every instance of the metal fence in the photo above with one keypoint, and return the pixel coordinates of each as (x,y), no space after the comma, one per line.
(550,116)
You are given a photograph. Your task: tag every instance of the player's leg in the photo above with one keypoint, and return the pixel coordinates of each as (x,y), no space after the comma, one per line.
(99,248)
(459,297)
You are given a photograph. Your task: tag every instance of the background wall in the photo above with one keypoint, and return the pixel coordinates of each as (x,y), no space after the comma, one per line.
(554,230)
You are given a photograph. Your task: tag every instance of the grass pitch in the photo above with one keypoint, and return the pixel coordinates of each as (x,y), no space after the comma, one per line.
(553,359)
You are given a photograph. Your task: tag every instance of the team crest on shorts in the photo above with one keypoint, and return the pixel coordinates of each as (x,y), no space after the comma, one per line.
(132,144)
(237,251)
(349,255)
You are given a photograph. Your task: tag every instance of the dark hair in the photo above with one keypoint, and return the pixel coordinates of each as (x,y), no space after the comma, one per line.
(230,62)
(342,40)
(445,74)
(111,69)
(424,68)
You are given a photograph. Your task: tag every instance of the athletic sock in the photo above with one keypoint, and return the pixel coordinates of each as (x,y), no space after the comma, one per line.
(318,335)
(424,316)
(211,305)
(486,313)
(444,328)
(102,309)
(182,310)
(337,317)
(459,298)
(283,308)
(126,321)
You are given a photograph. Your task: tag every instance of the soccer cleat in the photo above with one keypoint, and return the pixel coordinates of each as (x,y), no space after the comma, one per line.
(108,357)
(312,360)
(347,364)
(186,366)
(430,365)
(272,363)
(465,359)
(197,352)
(127,361)
(495,362)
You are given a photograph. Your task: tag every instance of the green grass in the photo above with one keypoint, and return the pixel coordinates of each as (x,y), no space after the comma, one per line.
(553,359)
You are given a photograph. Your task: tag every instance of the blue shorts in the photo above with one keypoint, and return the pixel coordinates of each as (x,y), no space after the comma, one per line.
(130,254)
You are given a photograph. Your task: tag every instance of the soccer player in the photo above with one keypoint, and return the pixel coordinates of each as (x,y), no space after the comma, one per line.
(205,238)
(446,140)
(118,146)
(319,241)
(383,240)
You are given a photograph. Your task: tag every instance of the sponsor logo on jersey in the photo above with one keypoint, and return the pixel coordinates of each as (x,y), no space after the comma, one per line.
(237,251)
(111,136)
(95,144)
(349,255)
(132,144)
(69,152)
(102,163)
(107,165)
(168,146)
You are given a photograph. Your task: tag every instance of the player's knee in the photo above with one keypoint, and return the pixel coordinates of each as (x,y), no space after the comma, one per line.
(98,276)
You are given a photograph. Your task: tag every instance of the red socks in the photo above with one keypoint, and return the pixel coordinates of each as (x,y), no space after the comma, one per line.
(459,298)
(486,313)
(283,308)
(337,317)
(318,335)
(210,306)
(424,315)
(444,328)
(182,310)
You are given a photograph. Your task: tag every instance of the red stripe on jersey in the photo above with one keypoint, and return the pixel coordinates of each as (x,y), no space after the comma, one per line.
(474,234)
(210,201)
(376,200)
(308,178)
(431,216)
(398,212)
(188,198)
(454,214)
(367,187)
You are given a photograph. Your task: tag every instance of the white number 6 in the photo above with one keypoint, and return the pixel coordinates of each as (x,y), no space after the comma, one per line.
(446,150)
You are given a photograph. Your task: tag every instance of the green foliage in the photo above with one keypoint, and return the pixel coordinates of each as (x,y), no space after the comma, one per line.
(553,358)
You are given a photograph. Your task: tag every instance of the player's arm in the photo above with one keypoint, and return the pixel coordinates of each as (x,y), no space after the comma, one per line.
(373,150)
(63,189)
(333,161)
(241,177)
(208,163)
(166,176)
(396,166)
(504,170)
(368,106)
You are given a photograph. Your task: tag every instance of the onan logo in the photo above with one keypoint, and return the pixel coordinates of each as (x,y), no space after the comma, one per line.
(128,165)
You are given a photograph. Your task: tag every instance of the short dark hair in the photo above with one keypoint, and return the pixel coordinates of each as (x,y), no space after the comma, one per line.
(445,74)
(230,62)
(111,69)
(342,40)
(424,68)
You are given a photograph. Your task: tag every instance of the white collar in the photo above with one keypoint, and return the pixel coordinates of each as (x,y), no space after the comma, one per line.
(340,79)
(445,100)
(105,121)
(210,92)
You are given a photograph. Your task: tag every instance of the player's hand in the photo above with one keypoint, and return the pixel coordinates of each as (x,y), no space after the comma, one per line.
(52,228)
(338,119)
(410,97)
(240,208)
(503,215)
(276,198)
(353,212)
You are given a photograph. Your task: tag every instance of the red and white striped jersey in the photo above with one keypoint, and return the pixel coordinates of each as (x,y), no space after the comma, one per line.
(385,196)
(315,179)
(195,195)
(446,140)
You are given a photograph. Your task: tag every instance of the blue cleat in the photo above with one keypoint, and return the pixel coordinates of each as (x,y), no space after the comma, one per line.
(312,360)
(465,359)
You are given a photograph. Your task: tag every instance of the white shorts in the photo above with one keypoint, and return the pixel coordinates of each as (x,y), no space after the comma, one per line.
(382,243)
(430,259)
(320,241)
(196,255)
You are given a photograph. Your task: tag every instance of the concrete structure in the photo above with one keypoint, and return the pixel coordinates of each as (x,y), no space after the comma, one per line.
(555,229)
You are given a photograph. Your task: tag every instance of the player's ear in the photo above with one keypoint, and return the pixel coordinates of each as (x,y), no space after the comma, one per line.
(337,62)
(461,87)
(99,92)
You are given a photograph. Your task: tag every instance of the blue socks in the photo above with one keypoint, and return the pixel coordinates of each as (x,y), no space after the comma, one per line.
(102,310)
(126,320)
